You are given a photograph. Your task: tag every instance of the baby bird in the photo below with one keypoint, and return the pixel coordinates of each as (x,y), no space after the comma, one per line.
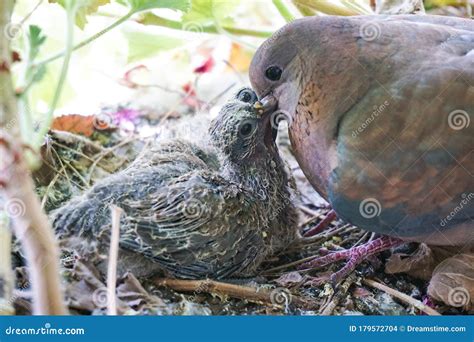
(192,211)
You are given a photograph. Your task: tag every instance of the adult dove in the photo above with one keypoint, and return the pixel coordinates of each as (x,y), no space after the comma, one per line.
(380,112)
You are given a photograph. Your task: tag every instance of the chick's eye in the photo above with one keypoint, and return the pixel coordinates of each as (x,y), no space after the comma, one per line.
(246,129)
(247,96)
(273,73)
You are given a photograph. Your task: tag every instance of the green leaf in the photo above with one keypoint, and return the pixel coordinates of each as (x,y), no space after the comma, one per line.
(211,11)
(142,45)
(35,39)
(83,9)
(39,74)
(145,5)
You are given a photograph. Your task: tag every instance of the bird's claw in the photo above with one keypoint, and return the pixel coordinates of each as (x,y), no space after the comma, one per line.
(354,257)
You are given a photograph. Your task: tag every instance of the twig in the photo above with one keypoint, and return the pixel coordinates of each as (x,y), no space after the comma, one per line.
(361,239)
(336,299)
(6,276)
(62,170)
(310,220)
(402,296)
(78,174)
(73,151)
(152,19)
(106,152)
(71,138)
(327,234)
(308,211)
(290,264)
(71,9)
(251,294)
(113,256)
(48,188)
(29,222)
(88,40)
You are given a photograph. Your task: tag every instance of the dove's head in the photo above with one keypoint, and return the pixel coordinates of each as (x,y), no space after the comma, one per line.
(276,68)
(242,132)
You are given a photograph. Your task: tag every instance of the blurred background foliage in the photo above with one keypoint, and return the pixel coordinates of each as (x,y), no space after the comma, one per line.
(147,52)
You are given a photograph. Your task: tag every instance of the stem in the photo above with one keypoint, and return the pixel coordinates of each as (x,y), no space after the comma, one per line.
(357,7)
(305,11)
(251,294)
(29,222)
(402,296)
(113,256)
(88,40)
(38,139)
(326,7)
(284,10)
(152,19)
(26,123)
(6,276)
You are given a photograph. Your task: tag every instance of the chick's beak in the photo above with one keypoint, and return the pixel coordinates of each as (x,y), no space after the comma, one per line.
(267,104)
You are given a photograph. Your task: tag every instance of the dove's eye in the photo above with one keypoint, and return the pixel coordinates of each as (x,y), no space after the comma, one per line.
(247,96)
(273,73)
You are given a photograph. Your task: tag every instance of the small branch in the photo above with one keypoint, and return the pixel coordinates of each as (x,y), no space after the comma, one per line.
(327,7)
(251,294)
(113,256)
(33,231)
(152,19)
(6,276)
(88,40)
(46,123)
(401,296)
(336,299)
(29,222)
(284,10)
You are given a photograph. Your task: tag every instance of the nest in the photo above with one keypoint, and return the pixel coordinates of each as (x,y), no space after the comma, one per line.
(72,163)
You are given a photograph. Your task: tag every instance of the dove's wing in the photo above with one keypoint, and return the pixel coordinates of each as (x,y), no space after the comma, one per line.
(438,20)
(407,144)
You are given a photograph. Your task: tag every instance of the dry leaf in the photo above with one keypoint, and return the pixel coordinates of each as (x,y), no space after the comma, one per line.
(453,281)
(419,264)
(132,292)
(75,123)
(290,279)
(87,292)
